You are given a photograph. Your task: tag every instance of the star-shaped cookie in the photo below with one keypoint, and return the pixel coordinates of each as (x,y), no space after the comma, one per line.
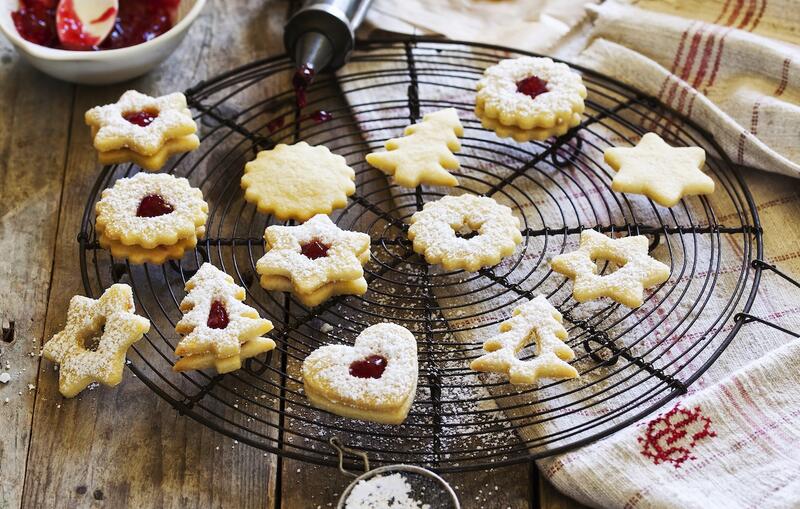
(425,153)
(313,254)
(93,343)
(536,320)
(298,181)
(636,270)
(659,171)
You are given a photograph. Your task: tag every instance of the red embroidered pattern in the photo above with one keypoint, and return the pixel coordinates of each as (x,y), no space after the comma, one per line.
(670,437)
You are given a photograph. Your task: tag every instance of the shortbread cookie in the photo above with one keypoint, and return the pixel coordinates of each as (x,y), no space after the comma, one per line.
(138,255)
(150,210)
(536,320)
(298,181)
(530,92)
(314,256)
(435,232)
(663,173)
(537,133)
(152,128)
(95,339)
(636,269)
(373,380)
(425,153)
(215,319)
(252,348)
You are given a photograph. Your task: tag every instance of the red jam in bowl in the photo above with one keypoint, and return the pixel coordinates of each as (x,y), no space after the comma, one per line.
(136,22)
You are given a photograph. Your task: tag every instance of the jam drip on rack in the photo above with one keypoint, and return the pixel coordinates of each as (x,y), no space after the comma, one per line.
(532,86)
(217,316)
(301,81)
(314,249)
(153,205)
(370,367)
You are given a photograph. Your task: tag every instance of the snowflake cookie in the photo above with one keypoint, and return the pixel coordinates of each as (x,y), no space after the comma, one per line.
(530,98)
(218,329)
(314,260)
(663,173)
(298,181)
(142,129)
(95,339)
(373,380)
(636,269)
(436,229)
(150,217)
(534,321)
(425,153)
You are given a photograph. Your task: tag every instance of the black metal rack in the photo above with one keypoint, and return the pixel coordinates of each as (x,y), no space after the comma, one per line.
(631,361)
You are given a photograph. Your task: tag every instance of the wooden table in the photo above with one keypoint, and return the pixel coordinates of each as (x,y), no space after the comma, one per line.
(125,447)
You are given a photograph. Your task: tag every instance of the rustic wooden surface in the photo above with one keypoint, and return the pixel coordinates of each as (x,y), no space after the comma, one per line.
(125,447)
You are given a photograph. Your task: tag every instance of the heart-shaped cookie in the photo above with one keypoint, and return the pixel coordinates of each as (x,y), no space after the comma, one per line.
(373,380)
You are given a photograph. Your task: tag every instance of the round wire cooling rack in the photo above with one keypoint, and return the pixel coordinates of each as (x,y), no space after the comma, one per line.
(631,362)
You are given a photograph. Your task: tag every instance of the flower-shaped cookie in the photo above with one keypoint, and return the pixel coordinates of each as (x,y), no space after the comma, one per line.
(150,210)
(298,181)
(95,339)
(435,231)
(663,173)
(530,93)
(215,319)
(636,270)
(425,152)
(536,320)
(373,380)
(313,255)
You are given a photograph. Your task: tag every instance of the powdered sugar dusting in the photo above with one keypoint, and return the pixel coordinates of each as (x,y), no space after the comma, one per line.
(383,492)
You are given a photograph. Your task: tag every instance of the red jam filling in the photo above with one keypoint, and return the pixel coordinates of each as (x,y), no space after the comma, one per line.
(371,367)
(137,21)
(301,81)
(532,86)
(153,205)
(217,316)
(314,249)
(141,118)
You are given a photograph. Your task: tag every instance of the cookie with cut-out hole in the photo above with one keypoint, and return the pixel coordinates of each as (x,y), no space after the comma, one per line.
(535,321)
(435,231)
(663,173)
(216,322)
(150,210)
(636,269)
(298,181)
(373,380)
(93,344)
(317,258)
(424,155)
(530,93)
(142,129)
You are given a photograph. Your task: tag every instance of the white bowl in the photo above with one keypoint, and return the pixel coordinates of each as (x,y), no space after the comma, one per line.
(100,67)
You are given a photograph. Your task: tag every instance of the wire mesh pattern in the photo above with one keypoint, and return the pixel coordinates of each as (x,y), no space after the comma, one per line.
(631,362)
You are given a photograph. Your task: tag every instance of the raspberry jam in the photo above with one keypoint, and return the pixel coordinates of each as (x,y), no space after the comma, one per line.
(217,316)
(301,81)
(314,249)
(141,118)
(137,21)
(532,86)
(153,205)
(371,367)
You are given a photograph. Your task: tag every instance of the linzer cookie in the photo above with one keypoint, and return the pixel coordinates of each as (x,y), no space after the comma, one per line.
(439,232)
(95,339)
(218,329)
(298,181)
(150,218)
(314,261)
(373,380)
(142,129)
(425,153)
(636,269)
(530,98)
(534,321)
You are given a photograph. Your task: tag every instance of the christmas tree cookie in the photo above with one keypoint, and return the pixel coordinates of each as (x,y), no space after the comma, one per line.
(218,329)
(425,153)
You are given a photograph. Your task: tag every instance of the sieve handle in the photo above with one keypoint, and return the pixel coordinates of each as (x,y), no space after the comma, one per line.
(341,450)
